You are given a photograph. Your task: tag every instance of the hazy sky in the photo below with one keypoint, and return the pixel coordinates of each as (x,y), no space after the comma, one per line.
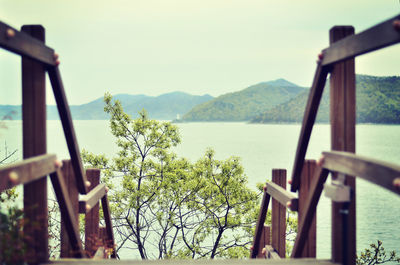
(209,46)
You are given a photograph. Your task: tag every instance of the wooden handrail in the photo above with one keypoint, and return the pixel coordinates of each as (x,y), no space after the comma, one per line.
(88,201)
(380,173)
(308,122)
(377,37)
(38,58)
(27,170)
(69,131)
(259,225)
(374,38)
(283,196)
(21,43)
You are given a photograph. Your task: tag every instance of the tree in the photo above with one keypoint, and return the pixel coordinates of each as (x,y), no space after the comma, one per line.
(225,207)
(376,255)
(164,206)
(12,240)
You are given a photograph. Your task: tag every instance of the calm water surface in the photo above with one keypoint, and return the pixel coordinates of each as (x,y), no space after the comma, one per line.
(261,148)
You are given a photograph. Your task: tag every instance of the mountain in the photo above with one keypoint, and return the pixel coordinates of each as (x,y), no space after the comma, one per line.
(163,107)
(245,104)
(378,101)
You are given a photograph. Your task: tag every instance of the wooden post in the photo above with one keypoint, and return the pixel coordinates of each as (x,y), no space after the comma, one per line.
(264,240)
(307,177)
(34,143)
(279,216)
(343,118)
(103,239)
(92,218)
(70,182)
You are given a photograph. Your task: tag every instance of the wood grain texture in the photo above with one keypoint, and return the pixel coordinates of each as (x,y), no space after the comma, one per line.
(34,143)
(309,212)
(69,131)
(109,227)
(378,172)
(278,216)
(259,225)
(376,37)
(307,177)
(26,171)
(264,240)
(25,45)
(70,184)
(67,213)
(282,196)
(343,122)
(92,217)
(310,114)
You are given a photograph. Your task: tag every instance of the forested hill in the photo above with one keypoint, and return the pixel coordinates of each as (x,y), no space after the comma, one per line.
(378,101)
(163,107)
(245,104)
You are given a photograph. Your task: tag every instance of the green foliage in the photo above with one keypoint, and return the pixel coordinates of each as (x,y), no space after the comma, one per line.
(166,207)
(12,240)
(378,101)
(376,254)
(245,104)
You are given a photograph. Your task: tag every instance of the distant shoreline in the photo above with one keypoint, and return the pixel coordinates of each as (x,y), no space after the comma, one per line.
(247,122)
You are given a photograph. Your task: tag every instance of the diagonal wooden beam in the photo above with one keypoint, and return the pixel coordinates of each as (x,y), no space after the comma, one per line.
(308,122)
(69,131)
(67,214)
(310,209)
(260,224)
(109,228)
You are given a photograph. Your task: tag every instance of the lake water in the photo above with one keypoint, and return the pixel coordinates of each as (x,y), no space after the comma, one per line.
(263,147)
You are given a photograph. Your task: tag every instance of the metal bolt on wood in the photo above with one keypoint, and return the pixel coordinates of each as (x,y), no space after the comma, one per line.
(13,177)
(264,251)
(320,161)
(87,184)
(10,33)
(58,164)
(396,183)
(396,24)
(320,58)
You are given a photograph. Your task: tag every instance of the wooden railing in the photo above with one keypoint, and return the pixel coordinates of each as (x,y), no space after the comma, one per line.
(37,59)
(338,61)
(270,242)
